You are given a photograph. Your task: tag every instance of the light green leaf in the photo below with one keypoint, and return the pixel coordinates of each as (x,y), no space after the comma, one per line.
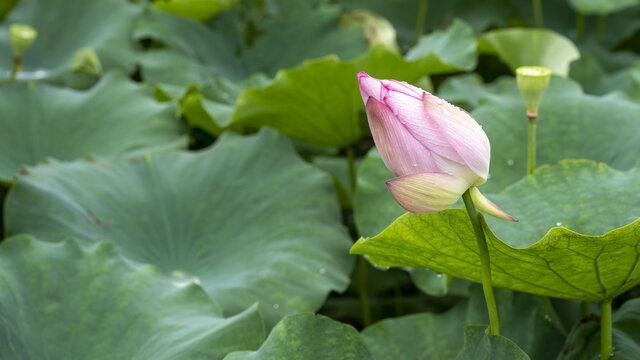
(527,320)
(601,7)
(564,263)
(478,345)
(245,217)
(570,125)
(452,49)
(102,25)
(195,9)
(309,336)
(301,103)
(73,300)
(115,117)
(584,341)
(530,47)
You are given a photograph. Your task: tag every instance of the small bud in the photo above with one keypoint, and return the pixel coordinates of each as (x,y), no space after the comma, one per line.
(376,29)
(22,36)
(532,81)
(86,61)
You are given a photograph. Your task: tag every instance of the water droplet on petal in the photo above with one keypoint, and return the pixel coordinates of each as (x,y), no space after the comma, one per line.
(440,101)
(446,112)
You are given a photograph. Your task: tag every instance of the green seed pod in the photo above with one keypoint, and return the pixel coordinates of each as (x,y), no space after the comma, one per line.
(22,36)
(86,61)
(532,81)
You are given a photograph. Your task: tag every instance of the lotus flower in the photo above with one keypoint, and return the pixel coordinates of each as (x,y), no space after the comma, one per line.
(436,150)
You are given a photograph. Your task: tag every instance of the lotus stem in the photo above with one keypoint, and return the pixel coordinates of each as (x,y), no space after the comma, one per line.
(422,15)
(602,26)
(363,268)
(483,252)
(579,26)
(537,12)
(363,291)
(605,329)
(531,163)
(585,309)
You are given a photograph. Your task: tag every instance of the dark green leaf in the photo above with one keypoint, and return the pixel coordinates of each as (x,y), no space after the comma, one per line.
(246,217)
(73,300)
(309,336)
(115,117)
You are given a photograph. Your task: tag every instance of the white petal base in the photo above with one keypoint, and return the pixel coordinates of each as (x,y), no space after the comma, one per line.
(426,193)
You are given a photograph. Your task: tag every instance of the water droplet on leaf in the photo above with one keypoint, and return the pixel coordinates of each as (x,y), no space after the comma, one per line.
(510,162)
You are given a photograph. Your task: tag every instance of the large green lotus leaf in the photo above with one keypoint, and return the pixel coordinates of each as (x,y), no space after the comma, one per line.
(115,117)
(242,43)
(530,47)
(75,300)
(564,263)
(103,25)
(247,217)
(583,342)
(308,336)
(601,7)
(570,125)
(195,9)
(529,321)
(319,101)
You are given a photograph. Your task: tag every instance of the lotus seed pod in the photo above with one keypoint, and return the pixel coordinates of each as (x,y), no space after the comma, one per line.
(532,81)
(86,61)
(376,29)
(22,36)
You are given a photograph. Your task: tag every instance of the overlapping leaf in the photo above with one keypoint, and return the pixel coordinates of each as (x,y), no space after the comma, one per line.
(103,25)
(247,218)
(309,336)
(115,117)
(319,102)
(242,43)
(73,300)
(528,320)
(564,263)
(583,341)
(195,9)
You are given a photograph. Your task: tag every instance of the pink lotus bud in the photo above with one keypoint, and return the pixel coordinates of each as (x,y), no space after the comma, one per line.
(437,150)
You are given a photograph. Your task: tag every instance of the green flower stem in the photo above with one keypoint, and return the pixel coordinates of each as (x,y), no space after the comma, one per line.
(531,164)
(422,14)
(585,309)
(363,267)
(537,12)
(605,330)
(602,26)
(579,26)
(15,68)
(363,292)
(483,252)
(352,169)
